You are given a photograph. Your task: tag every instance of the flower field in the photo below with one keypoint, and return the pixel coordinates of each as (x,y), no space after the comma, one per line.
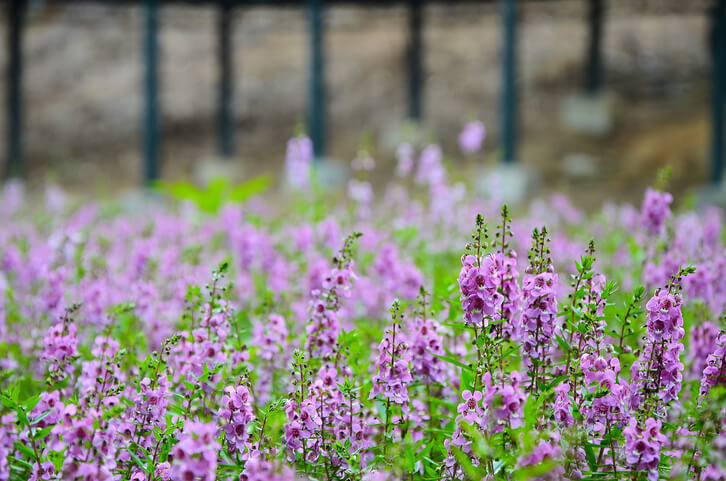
(425,335)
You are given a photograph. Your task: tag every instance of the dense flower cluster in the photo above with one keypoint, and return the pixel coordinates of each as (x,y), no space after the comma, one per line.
(539,313)
(425,349)
(714,372)
(260,469)
(324,327)
(479,285)
(270,337)
(504,402)
(659,372)
(643,446)
(393,374)
(60,346)
(195,455)
(123,358)
(236,413)
(506,265)
(545,451)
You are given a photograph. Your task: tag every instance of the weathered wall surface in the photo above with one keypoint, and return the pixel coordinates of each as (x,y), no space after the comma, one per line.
(83,76)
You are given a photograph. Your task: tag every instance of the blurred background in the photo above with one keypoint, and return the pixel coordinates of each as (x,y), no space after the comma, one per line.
(229,83)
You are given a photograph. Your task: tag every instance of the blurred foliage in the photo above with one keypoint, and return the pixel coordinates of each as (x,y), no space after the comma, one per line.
(217,193)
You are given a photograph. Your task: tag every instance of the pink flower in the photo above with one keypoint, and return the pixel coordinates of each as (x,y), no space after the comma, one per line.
(643,446)
(472,137)
(655,211)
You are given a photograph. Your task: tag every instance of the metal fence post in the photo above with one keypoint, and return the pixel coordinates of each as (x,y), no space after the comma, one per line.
(151,132)
(415,68)
(509,80)
(14,92)
(225,107)
(316,106)
(718,89)
(593,60)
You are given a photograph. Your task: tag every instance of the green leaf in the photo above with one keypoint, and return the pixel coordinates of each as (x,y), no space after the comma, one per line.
(22,462)
(453,361)
(590,456)
(136,459)
(554,382)
(8,402)
(562,342)
(25,450)
(250,188)
(531,472)
(31,402)
(41,417)
(21,416)
(43,433)
(472,472)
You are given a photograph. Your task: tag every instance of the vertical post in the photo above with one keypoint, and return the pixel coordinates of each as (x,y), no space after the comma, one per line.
(593,54)
(718,88)
(316,106)
(509,80)
(414,59)
(225,106)
(14,93)
(151,92)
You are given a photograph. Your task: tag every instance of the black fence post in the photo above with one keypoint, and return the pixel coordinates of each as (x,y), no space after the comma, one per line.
(316,105)
(225,106)
(415,67)
(718,89)
(593,53)
(509,80)
(14,92)
(151,132)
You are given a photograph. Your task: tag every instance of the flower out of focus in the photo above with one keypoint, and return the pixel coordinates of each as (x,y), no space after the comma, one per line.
(471,138)
(298,162)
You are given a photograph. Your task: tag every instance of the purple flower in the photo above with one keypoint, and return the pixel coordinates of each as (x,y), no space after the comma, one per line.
(714,373)
(60,348)
(195,454)
(539,313)
(324,326)
(236,413)
(610,403)
(393,374)
(430,170)
(504,402)
(655,211)
(506,266)
(298,160)
(660,371)
(563,405)
(479,286)
(472,137)
(543,451)
(664,316)
(470,410)
(425,344)
(406,158)
(259,469)
(396,276)
(270,338)
(643,445)
(703,342)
